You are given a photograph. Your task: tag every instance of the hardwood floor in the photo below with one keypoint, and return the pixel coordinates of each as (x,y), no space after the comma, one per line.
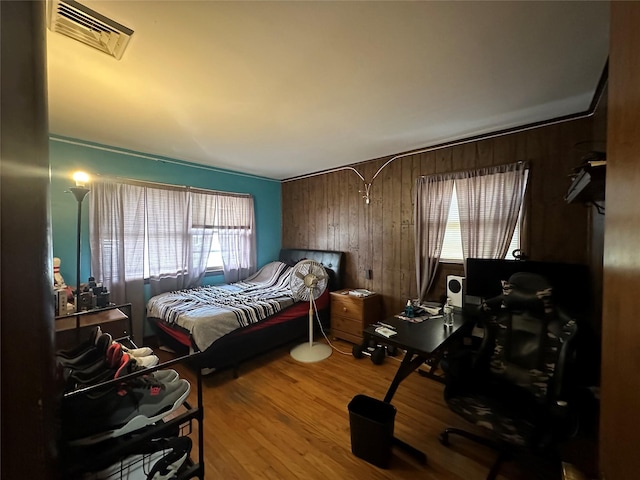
(282,419)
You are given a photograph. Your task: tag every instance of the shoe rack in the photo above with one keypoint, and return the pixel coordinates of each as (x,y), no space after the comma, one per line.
(77,462)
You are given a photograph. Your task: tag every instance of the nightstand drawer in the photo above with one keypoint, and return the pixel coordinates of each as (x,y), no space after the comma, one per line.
(347,325)
(348,307)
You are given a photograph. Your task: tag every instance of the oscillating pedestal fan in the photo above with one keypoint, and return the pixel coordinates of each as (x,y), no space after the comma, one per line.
(308,282)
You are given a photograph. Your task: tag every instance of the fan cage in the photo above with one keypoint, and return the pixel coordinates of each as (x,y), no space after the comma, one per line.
(309,280)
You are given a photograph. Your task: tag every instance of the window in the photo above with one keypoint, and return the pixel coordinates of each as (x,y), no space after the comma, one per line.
(208,219)
(169,234)
(214,258)
(469,214)
(452,245)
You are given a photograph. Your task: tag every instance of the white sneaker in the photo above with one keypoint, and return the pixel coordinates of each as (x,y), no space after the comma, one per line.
(138,352)
(147,361)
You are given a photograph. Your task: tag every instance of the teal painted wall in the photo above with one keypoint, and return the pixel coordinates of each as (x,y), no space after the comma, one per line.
(69,155)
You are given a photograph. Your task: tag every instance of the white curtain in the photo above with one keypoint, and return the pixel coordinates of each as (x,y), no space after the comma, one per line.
(489,202)
(168,230)
(204,215)
(116,230)
(236,233)
(432,202)
(169,244)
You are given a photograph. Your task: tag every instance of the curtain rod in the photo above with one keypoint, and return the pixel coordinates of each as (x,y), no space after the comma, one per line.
(480,170)
(148,183)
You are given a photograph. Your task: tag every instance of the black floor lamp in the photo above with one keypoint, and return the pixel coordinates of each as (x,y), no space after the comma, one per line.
(79,191)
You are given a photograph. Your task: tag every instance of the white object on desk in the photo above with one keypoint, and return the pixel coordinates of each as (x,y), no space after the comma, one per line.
(447,309)
(432,310)
(387,325)
(385,332)
(360,292)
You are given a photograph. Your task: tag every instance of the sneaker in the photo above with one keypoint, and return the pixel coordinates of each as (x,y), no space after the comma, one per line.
(138,352)
(101,371)
(117,364)
(147,361)
(88,356)
(155,459)
(178,450)
(92,360)
(130,364)
(166,376)
(130,467)
(95,416)
(81,347)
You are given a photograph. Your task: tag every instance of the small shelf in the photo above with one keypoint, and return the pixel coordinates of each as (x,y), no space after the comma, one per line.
(113,319)
(588,185)
(89,319)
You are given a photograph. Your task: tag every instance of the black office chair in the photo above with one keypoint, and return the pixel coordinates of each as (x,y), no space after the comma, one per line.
(515,385)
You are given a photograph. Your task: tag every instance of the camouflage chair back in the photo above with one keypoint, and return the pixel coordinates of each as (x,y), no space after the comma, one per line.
(513,387)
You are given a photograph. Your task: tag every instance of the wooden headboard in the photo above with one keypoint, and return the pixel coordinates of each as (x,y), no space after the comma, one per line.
(333,262)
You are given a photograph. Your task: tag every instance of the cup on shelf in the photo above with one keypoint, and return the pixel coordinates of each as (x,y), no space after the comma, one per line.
(447,310)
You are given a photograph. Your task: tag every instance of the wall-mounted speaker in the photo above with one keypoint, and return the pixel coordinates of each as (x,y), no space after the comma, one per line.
(455,292)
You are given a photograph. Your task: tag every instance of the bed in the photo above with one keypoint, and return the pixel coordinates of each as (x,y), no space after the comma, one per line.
(225,337)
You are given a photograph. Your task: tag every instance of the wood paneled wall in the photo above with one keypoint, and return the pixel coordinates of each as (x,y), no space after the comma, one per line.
(327,211)
(620,391)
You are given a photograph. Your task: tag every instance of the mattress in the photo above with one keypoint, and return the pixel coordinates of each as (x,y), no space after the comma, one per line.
(208,313)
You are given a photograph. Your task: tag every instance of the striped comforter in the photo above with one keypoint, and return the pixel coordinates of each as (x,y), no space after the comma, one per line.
(213,311)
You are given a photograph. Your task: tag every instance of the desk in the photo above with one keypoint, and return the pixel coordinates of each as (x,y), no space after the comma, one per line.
(421,341)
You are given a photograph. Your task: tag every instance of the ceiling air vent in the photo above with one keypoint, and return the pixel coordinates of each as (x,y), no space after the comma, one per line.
(89,27)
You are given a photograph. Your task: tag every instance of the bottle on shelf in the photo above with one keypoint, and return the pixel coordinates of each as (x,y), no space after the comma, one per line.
(447,310)
(409,312)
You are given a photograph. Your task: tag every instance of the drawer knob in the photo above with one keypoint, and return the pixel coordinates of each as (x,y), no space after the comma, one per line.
(344,309)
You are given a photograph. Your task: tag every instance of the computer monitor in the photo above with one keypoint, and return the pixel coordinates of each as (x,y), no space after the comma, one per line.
(571,282)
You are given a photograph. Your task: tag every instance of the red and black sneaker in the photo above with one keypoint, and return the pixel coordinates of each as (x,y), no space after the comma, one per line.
(95,416)
(116,364)
(101,371)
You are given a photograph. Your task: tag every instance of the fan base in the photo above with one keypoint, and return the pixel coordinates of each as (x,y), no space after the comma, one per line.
(311,353)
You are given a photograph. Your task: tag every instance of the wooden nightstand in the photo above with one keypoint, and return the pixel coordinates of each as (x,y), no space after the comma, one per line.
(350,315)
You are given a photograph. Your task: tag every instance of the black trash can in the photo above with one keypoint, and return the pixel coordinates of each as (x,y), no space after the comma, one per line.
(371,423)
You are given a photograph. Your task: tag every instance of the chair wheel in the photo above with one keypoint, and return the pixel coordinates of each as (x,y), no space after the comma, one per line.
(356,351)
(377,357)
(444,439)
(392,351)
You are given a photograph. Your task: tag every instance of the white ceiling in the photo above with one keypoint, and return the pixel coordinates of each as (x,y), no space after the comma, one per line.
(281,89)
